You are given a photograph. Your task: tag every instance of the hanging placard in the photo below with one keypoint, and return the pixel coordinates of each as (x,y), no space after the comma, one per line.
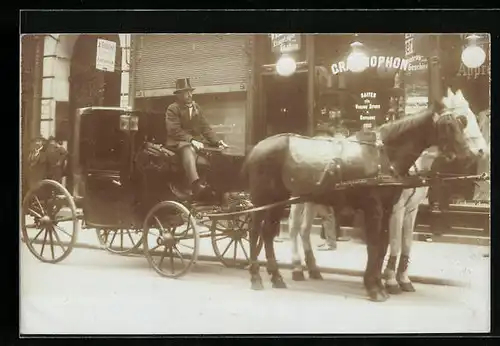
(285,43)
(105,55)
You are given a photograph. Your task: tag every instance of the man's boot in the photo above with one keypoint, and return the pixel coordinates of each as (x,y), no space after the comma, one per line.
(198,189)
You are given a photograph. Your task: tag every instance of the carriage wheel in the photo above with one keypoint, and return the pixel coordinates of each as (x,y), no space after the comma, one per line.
(49,224)
(230,241)
(119,241)
(170,239)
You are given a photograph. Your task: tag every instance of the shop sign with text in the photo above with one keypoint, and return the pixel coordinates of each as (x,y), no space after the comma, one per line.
(105,55)
(285,43)
(377,61)
(367,106)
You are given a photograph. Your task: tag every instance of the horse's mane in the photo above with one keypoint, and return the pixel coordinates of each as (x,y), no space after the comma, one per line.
(395,130)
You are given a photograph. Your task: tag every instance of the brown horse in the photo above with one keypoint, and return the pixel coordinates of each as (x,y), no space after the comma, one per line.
(284,165)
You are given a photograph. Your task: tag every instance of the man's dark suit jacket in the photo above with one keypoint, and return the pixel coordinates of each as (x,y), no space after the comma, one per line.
(181,130)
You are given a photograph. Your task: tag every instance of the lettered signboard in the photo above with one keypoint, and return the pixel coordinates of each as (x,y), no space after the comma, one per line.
(105,55)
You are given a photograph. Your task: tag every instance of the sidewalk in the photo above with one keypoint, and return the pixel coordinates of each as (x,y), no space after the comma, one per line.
(431,263)
(422,233)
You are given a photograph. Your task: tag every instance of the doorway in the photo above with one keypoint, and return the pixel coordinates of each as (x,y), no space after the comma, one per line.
(284,101)
(89,86)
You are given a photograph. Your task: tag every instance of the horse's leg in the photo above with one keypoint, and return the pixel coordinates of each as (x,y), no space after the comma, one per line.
(294,222)
(382,249)
(395,235)
(373,228)
(408,227)
(310,211)
(402,275)
(270,231)
(255,231)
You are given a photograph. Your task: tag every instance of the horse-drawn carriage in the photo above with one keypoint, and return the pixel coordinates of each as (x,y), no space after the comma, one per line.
(129,186)
(131,190)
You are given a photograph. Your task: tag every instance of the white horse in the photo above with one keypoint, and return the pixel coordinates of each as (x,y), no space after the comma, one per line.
(404,213)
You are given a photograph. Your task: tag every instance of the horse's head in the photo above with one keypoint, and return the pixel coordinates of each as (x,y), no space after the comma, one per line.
(457,132)
(473,134)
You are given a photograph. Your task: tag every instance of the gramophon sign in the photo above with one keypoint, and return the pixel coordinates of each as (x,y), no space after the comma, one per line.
(377,61)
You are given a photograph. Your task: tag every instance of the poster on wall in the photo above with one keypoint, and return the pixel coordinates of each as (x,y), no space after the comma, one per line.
(105,55)
(416,76)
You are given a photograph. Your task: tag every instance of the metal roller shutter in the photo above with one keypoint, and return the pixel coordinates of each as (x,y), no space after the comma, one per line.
(207,59)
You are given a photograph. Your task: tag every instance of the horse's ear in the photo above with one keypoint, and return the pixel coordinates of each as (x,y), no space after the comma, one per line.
(449,93)
(459,97)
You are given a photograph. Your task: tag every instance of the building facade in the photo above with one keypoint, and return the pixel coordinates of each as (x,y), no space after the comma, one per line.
(68,79)
(219,67)
(236,80)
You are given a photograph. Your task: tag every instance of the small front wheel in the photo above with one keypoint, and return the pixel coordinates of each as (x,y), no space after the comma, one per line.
(170,239)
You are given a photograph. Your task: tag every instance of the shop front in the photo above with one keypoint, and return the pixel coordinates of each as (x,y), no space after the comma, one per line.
(474,82)
(219,69)
(282,82)
(355,98)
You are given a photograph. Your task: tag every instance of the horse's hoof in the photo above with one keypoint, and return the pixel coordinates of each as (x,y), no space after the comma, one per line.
(377,295)
(393,289)
(279,283)
(315,275)
(257,285)
(298,276)
(406,287)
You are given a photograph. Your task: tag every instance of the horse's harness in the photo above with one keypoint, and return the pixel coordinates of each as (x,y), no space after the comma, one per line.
(336,164)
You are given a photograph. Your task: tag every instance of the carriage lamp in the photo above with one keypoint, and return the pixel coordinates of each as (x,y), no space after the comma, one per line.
(357,61)
(129,122)
(286,66)
(473,55)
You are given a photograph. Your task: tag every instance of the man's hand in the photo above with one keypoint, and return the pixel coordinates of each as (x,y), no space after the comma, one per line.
(222,145)
(197,144)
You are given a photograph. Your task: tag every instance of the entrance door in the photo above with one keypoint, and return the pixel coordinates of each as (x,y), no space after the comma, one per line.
(285,103)
(89,86)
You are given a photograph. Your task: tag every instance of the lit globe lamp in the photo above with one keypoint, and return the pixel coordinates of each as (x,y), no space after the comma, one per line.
(357,61)
(473,56)
(286,66)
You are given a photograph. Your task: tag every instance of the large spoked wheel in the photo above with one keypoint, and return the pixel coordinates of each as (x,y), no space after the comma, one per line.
(170,239)
(120,241)
(230,241)
(49,222)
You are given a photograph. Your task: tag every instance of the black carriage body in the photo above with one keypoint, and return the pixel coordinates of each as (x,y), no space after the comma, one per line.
(101,166)
(105,179)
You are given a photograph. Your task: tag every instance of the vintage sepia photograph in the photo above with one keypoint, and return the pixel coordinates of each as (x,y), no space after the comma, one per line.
(266,183)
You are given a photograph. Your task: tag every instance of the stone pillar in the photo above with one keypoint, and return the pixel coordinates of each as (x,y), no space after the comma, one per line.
(37,87)
(310,83)
(126,99)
